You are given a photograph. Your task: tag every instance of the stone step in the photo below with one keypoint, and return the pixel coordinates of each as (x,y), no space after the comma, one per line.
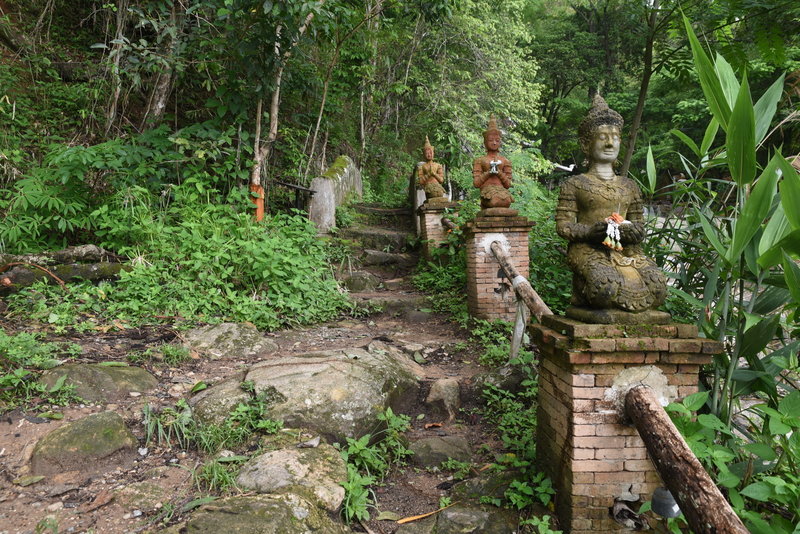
(377,238)
(393,302)
(395,218)
(378,257)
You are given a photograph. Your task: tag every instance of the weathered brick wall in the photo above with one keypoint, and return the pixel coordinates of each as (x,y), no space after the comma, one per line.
(432,232)
(584,445)
(489,293)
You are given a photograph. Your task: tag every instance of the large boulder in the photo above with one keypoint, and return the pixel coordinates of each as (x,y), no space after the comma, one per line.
(214,404)
(229,341)
(315,472)
(100,383)
(96,443)
(337,393)
(259,514)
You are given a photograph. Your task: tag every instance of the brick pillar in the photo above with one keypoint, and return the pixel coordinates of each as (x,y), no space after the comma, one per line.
(583,444)
(489,293)
(432,232)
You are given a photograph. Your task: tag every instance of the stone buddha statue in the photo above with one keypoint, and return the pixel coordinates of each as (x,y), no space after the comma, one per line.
(601,216)
(492,174)
(430,176)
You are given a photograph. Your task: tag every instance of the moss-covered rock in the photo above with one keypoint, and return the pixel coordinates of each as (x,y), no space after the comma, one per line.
(259,514)
(96,443)
(229,340)
(315,472)
(98,383)
(431,452)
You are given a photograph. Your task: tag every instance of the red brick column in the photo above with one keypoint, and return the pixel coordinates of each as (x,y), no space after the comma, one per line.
(489,293)
(432,232)
(583,443)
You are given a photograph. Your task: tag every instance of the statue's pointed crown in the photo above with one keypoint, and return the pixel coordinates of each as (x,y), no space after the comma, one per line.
(492,127)
(427,143)
(598,115)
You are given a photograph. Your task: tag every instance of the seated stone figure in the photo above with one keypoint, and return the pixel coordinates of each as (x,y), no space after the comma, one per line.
(492,174)
(430,176)
(600,214)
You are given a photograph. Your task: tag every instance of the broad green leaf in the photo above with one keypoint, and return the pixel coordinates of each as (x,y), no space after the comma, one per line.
(790,404)
(791,273)
(727,78)
(740,142)
(756,207)
(777,427)
(766,106)
(708,137)
(758,336)
(708,79)
(789,245)
(687,141)
(762,450)
(651,171)
(711,234)
(728,479)
(771,299)
(713,422)
(695,401)
(776,229)
(790,192)
(759,491)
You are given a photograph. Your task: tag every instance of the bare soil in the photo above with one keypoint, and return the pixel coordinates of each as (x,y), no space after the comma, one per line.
(102,503)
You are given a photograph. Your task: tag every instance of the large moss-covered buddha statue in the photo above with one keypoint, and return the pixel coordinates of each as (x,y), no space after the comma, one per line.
(601,216)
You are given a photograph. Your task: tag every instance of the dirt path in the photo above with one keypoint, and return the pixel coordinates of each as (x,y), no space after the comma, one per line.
(113,502)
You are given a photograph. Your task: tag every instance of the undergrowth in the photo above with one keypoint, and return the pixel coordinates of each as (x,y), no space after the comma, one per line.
(369,459)
(22,359)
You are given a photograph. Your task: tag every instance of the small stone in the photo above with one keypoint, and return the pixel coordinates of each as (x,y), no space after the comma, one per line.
(136,513)
(143,451)
(126,516)
(55,506)
(134,394)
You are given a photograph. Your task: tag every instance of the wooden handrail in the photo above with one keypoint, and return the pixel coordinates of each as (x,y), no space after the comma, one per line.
(521,285)
(701,502)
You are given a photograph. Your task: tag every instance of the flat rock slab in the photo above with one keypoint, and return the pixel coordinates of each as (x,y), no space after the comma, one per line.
(379,257)
(461,519)
(99,383)
(229,341)
(317,472)
(336,393)
(259,514)
(94,444)
(431,452)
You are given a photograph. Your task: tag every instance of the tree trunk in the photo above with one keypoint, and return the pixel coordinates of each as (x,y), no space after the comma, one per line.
(701,502)
(521,285)
(647,74)
(159,97)
(117,82)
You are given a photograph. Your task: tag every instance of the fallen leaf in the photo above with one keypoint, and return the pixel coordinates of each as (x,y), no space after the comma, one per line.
(387,516)
(28,480)
(102,499)
(433,425)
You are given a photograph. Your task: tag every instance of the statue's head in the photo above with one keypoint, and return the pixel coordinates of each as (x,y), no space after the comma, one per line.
(599,133)
(492,135)
(427,150)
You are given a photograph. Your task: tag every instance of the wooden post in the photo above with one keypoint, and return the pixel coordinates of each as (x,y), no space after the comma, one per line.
(521,285)
(701,502)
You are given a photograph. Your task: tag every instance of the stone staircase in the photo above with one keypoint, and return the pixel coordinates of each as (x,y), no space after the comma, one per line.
(384,253)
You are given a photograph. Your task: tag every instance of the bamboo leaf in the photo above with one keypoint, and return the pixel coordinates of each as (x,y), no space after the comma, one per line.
(708,79)
(687,141)
(740,142)
(791,272)
(790,193)
(777,228)
(755,209)
(789,244)
(651,171)
(711,234)
(708,137)
(757,338)
(727,78)
(766,106)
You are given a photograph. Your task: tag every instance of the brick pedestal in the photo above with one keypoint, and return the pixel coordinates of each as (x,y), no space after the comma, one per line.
(489,293)
(583,444)
(432,232)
